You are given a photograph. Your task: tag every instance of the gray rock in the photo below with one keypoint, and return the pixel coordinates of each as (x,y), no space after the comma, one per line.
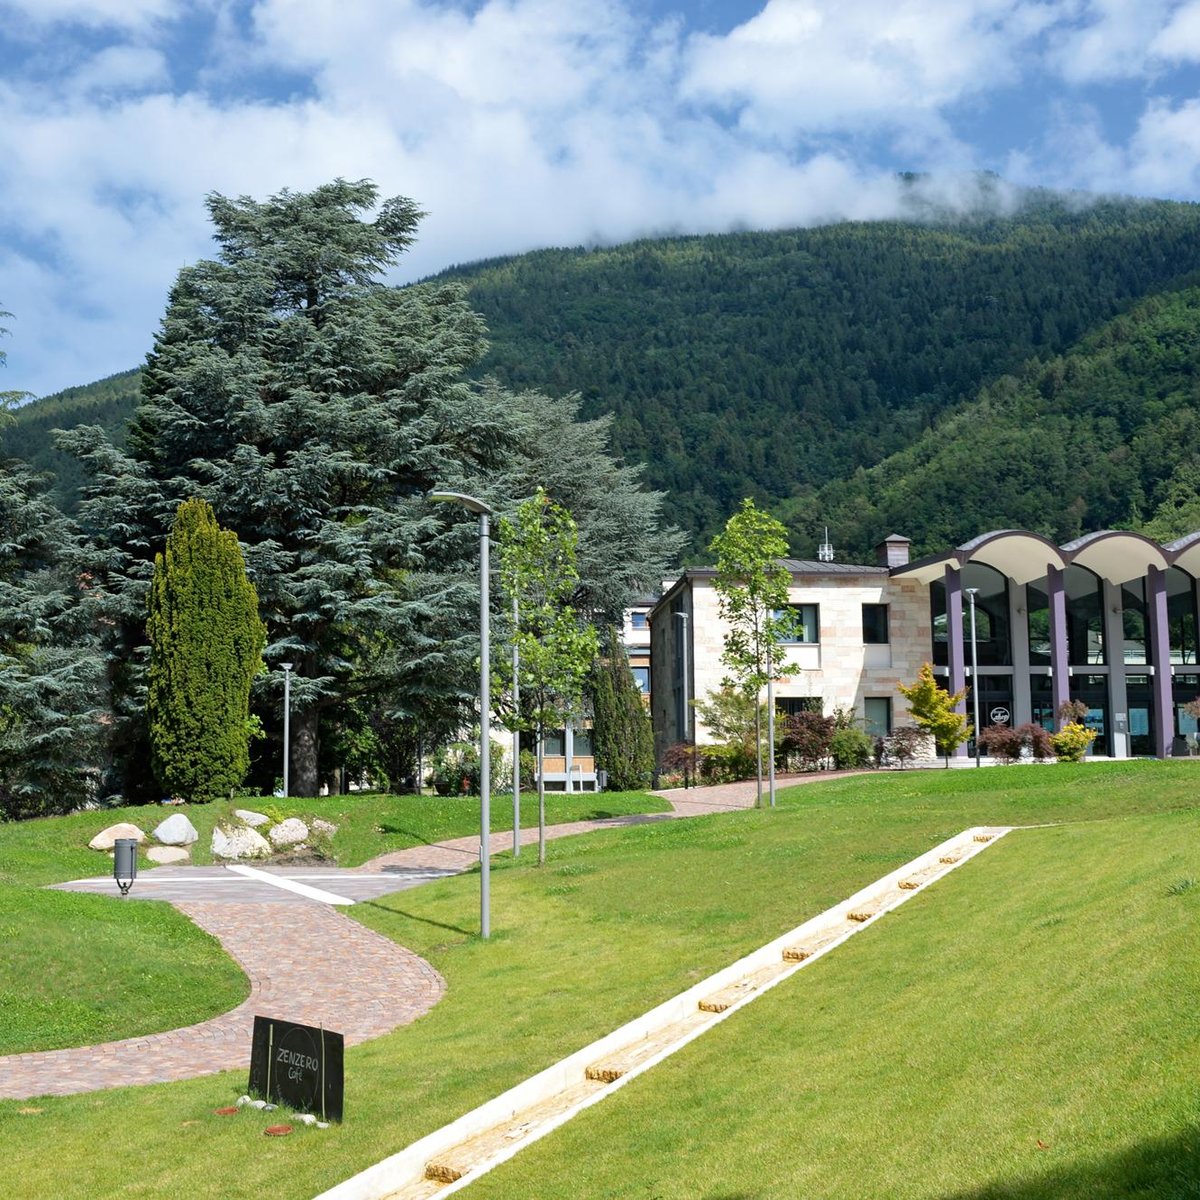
(289,832)
(252,818)
(239,843)
(176,831)
(165,855)
(328,828)
(106,837)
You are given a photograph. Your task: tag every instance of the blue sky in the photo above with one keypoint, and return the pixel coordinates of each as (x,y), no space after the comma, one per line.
(527,123)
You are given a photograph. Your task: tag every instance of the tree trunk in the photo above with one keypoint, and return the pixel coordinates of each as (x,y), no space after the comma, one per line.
(541,800)
(758,753)
(303,781)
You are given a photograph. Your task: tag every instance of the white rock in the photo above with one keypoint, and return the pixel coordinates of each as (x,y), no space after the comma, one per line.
(176,831)
(289,832)
(165,855)
(328,828)
(252,818)
(106,838)
(239,843)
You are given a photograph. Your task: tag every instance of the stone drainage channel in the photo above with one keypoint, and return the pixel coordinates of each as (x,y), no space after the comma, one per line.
(450,1158)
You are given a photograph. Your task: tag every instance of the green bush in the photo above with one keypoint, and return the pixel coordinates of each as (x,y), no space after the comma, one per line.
(851,748)
(1071,742)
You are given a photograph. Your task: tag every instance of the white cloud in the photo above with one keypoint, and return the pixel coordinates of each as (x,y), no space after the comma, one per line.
(517,124)
(1179,39)
(121,14)
(812,65)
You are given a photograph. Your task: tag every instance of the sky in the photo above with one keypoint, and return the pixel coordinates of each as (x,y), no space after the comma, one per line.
(518,124)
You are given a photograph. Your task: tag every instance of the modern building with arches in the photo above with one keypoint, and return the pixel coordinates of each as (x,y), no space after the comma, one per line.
(1109,619)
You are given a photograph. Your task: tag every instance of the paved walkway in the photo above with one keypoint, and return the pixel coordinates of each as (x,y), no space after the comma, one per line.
(314,965)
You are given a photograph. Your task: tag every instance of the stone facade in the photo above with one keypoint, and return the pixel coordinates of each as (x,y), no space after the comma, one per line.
(839,669)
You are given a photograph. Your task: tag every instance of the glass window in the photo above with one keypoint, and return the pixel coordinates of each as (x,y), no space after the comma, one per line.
(875,624)
(806,627)
(554,742)
(641,676)
(1181,616)
(639,620)
(791,705)
(878,713)
(992,643)
(1085,617)
(581,742)
(1037,601)
(1134,639)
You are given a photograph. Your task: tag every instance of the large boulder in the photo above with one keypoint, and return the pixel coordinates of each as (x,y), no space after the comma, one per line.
(106,838)
(328,828)
(291,832)
(167,855)
(239,843)
(176,831)
(252,818)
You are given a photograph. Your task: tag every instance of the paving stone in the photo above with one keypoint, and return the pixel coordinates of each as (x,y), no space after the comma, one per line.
(168,855)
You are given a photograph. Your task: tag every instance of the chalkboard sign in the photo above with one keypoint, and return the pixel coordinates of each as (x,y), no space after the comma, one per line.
(299,1066)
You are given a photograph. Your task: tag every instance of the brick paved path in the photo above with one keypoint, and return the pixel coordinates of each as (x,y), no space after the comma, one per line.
(316,967)
(312,965)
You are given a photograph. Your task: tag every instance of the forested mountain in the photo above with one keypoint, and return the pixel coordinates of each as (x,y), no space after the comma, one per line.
(790,365)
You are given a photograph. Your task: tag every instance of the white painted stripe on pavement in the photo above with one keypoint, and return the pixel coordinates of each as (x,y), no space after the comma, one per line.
(290,885)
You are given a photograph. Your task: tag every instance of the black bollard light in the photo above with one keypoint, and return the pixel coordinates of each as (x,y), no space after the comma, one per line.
(125,863)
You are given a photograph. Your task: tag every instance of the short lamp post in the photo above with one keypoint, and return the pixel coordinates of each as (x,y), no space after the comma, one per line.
(485,702)
(287,724)
(125,863)
(971,594)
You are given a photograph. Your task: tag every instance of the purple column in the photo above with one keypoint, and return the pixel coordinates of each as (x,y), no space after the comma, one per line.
(954,640)
(1060,684)
(1160,656)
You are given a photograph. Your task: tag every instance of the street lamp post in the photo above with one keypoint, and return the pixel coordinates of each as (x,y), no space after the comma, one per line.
(516,750)
(485,703)
(770,723)
(287,724)
(687,715)
(971,594)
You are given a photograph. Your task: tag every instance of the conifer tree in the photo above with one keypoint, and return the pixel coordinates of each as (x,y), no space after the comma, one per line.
(621,732)
(206,642)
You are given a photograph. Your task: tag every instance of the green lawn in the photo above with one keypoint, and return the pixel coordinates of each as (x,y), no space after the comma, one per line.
(81,969)
(619,921)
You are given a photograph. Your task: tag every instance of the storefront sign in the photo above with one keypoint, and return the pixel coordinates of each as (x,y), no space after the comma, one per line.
(299,1066)
(1000,715)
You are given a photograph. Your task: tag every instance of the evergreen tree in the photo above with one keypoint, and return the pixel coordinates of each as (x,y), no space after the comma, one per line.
(206,642)
(314,408)
(622,735)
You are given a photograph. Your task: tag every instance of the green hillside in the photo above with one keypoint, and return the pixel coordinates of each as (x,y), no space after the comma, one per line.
(785,365)
(1106,436)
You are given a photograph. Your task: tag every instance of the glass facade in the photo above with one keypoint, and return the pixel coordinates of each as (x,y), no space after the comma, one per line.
(993,643)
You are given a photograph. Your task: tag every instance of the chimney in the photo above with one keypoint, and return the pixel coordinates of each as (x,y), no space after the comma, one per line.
(893,551)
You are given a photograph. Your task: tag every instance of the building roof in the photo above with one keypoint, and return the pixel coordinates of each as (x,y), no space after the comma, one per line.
(1117,555)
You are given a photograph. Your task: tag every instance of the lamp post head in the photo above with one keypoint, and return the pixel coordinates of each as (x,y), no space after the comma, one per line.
(287,666)
(476,506)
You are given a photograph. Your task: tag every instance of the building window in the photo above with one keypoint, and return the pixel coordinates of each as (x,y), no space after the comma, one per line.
(554,743)
(581,743)
(878,713)
(875,624)
(641,676)
(639,620)
(790,706)
(806,624)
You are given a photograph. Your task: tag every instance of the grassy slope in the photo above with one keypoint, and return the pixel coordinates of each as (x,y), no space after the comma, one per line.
(80,969)
(615,923)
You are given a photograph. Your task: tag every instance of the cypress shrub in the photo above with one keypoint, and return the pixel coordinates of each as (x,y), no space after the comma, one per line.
(206,642)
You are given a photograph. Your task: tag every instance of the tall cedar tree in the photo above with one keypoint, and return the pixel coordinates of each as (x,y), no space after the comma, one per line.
(752,592)
(555,647)
(314,407)
(206,643)
(621,732)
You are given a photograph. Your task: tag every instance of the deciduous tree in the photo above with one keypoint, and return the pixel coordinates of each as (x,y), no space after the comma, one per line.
(933,709)
(752,591)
